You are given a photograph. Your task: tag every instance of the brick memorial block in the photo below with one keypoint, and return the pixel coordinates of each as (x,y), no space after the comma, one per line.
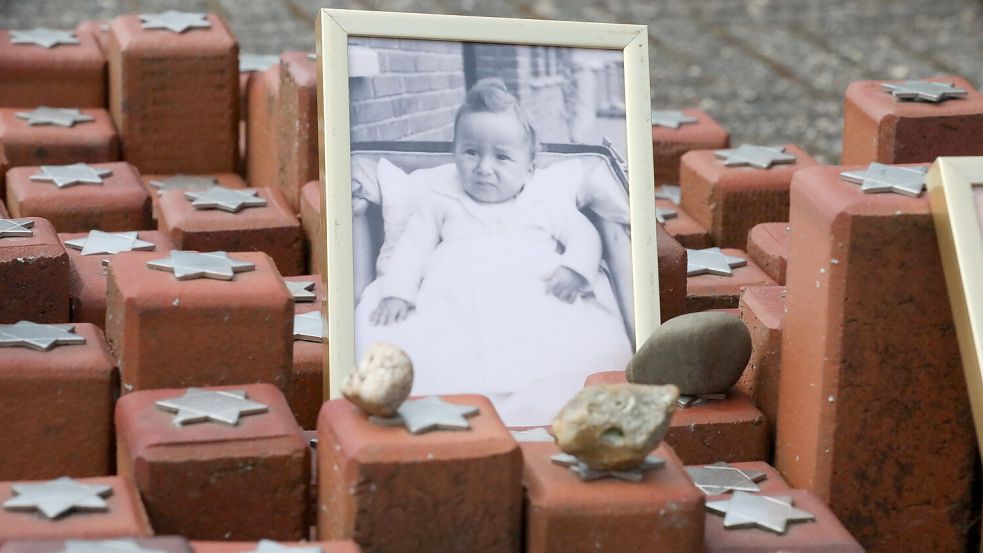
(683,228)
(729,191)
(203,319)
(911,121)
(873,414)
(310,220)
(162,544)
(81,197)
(767,247)
(307,378)
(220,463)
(35,267)
(262,93)
(763,310)
(88,253)
(672,275)
(390,490)
(717,276)
(676,132)
(105,507)
(267,546)
(156,185)
(174,91)
(48,67)
(57,388)
(296,117)
(99,29)
(253,219)
(45,135)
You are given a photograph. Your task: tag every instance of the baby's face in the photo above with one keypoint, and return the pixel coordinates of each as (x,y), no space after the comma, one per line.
(492,154)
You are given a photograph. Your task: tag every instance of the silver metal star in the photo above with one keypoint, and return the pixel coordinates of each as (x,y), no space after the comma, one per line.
(42,36)
(256,62)
(54,498)
(712,261)
(226,199)
(587,474)
(720,478)
(668,192)
(428,414)
(671,119)
(309,327)
(662,215)
(223,406)
(175,21)
(877,177)
(106,546)
(532,435)
(189,265)
(69,175)
(16,228)
(924,91)
(270,546)
(301,290)
(685,401)
(99,242)
(184,182)
(762,157)
(41,337)
(768,512)
(62,117)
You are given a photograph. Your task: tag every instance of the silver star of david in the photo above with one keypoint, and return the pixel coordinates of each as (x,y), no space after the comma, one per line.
(720,478)
(99,242)
(222,406)
(662,215)
(309,327)
(877,177)
(924,91)
(712,261)
(42,36)
(256,62)
(16,228)
(762,157)
(226,199)
(69,175)
(62,117)
(428,414)
(587,474)
(54,498)
(768,512)
(106,546)
(671,119)
(301,290)
(183,182)
(189,265)
(175,21)
(270,546)
(532,435)
(685,401)
(668,192)
(41,337)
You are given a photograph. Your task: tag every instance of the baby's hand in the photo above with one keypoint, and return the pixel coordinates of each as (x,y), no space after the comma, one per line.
(390,310)
(566,284)
(359,206)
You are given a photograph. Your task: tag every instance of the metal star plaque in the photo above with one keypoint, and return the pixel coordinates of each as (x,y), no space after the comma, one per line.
(924,91)
(222,406)
(106,546)
(99,242)
(69,175)
(309,327)
(174,21)
(270,546)
(301,290)
(668,192)
(772,513)
(762,157)
(55,498)
(587,474)
(62,117)
(711,261)
(189,265)
(42,36)
(686,401)
(184,182)
(671,119)
(429,414)
(256,62)
(16,228)
(226,199)
(532,435)
(877,177)
(662,215)
(41,337)
(720,478)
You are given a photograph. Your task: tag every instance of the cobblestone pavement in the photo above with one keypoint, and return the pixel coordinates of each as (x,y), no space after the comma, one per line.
(772,71)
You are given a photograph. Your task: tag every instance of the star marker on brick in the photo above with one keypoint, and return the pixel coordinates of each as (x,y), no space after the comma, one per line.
(69,175)
(761,157)
(712,261)
(174,21)
(587,474)
(877,177)
(42,36)
(428,414)
(106,546)
(16,228)
(222,406)
(270,546)
(189,265)
(668,192)
(55,498)
(226,199)
(41,337)
(256,62)
(671,119)
(663,215)
(301,290)
(99,242)
(924,91)
(61,117)
(720,478)
(309,327)
(184,182)
(771,513)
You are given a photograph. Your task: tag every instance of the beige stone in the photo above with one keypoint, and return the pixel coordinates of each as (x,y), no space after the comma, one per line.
(381,381)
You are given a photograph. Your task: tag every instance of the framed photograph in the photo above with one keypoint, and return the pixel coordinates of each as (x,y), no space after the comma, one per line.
(955,188)
(488,201)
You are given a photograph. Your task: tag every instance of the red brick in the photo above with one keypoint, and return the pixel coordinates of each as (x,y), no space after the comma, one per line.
(228,180)
(878,127)
(683,228)
(167,333)
(342,546)
(310,220)
(669,145)
(37,269)
(763,311)
(393,491)
(672,275)
(262,155)
(4,214)
(297,125)
(65,76)
(564,513)
(213,481)
(165,544)
(55,409)
(98,28)
(119,204)
(728,201)
(767,246)
(272,229)
(873,414)
(306,381)
(125,516)
(706,292)
(175,96)
(85,142)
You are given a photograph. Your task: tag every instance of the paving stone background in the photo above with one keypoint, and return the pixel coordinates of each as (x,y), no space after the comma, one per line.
(772,71)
